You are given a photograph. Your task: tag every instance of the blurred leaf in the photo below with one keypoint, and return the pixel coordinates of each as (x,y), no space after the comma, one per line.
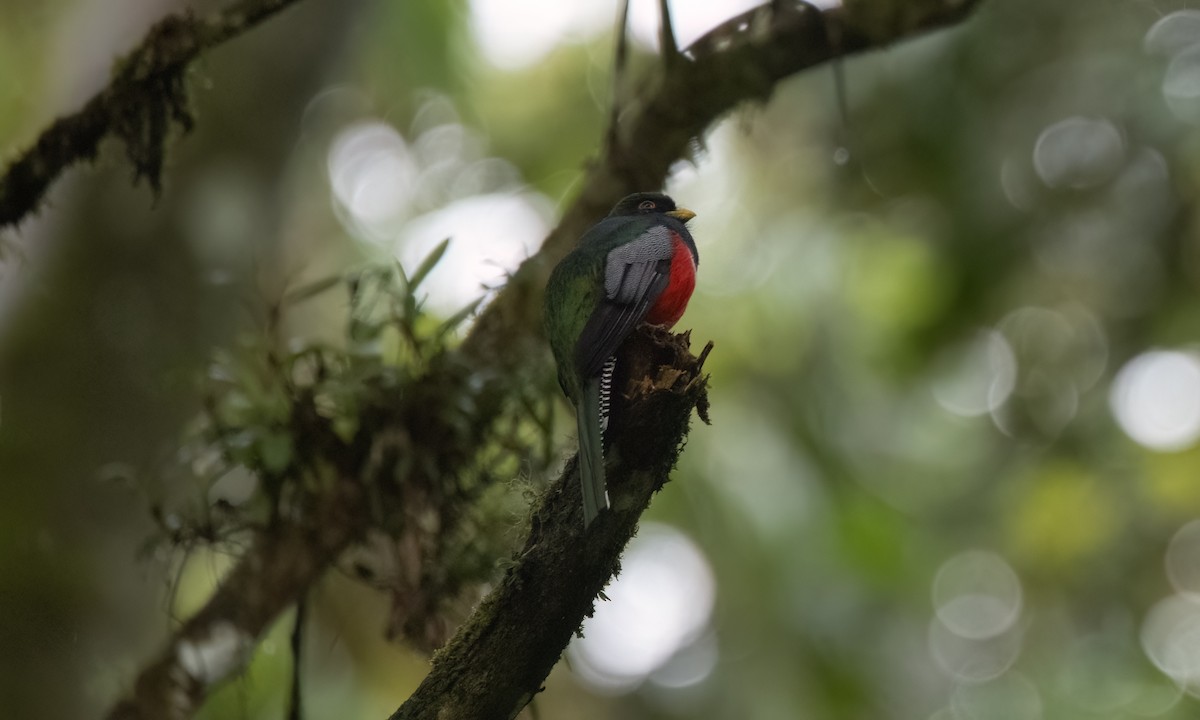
(431,260)
(304,292)
(457,318)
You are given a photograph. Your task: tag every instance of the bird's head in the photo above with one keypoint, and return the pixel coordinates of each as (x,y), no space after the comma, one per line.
(650,204)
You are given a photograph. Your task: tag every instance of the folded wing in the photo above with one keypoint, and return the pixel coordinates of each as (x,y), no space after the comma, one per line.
(635,274)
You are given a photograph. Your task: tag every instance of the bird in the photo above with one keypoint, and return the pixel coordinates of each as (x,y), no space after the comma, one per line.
(637,265)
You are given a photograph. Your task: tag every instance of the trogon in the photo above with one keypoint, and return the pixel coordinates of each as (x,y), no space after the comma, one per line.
(638,265)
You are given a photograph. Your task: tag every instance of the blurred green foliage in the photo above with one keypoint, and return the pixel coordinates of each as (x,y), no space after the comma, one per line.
(858,274)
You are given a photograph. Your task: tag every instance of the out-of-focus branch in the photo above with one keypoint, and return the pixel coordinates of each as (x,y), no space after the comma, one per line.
(412,441)
(146,95)
(218,641)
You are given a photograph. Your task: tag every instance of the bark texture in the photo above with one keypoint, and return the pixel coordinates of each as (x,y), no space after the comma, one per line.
(146,96)
(499,658)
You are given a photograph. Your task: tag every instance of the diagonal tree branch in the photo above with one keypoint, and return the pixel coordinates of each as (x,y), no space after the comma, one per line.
(499,658)
(145,96)
(742,59)
(284,559)
(217,641)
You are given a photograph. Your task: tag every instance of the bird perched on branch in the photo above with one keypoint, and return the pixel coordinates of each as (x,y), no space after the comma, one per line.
(638,265)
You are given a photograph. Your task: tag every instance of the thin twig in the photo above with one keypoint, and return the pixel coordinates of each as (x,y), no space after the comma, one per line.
(666,33)
(295,708)
(620,62)
(833,32)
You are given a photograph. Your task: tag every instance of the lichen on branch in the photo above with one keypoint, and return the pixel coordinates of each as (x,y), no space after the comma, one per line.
(147,94)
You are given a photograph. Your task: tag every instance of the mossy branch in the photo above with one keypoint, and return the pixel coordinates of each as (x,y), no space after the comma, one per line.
(146,95)
(499,658)
(219,640)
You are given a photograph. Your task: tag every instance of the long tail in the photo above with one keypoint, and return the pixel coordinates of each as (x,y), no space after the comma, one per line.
(589,417)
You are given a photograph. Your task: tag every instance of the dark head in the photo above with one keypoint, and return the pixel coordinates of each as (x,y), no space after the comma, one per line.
(649,204)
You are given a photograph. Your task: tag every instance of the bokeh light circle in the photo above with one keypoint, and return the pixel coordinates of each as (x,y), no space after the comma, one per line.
(689,666)
(1182,80)
(1171,639)
(660,604)
(968,660)
(976,595)
(976,377)
(1155,398)
(517,35)
(1078,152)
(1183,559)
(373,173)
(1009,697)
(489,237)
(1173,33)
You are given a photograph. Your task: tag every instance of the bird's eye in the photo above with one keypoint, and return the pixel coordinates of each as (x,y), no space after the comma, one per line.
(646,205)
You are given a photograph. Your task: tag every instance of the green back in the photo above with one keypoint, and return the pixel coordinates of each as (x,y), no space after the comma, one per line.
(576,288)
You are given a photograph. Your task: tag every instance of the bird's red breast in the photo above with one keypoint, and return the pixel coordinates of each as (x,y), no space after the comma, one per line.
(673,301)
